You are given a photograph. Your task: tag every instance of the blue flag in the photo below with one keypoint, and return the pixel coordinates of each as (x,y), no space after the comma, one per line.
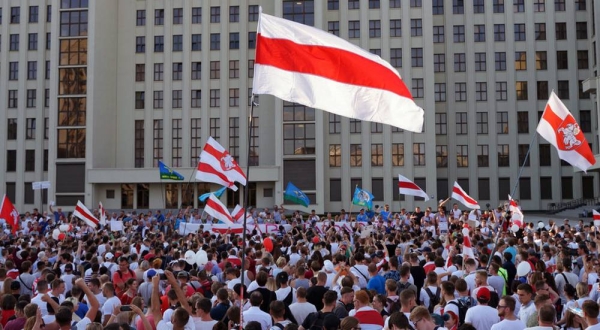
(362,198)
(217,193)
(295,195)
(166,173)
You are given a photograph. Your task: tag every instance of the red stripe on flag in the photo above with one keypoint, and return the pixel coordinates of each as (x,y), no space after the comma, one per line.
(556,122)
(467,198)
(330,63)
(408,185)
(206,168)
(85,214)
(218,208)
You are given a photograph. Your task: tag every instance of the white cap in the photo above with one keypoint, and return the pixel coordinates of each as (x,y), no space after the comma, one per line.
(109,256)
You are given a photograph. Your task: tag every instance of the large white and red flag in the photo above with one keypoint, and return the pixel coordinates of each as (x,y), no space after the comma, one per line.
(596,216)
(9,213)
(85,214)
(407,187)
(460,195)
(217,210)
(237,214)
(218,166)
(306,65)
(102,214)
(558,127)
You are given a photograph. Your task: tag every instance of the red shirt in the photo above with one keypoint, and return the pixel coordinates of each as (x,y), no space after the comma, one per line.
(6,314)
(13,273)
(121,278)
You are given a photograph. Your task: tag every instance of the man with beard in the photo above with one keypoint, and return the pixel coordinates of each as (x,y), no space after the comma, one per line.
(506,311)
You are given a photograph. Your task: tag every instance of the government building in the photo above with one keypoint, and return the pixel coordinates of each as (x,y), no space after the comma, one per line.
(94,93)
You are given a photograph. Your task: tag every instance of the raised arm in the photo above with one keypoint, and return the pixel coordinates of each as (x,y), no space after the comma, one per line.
(180,294)
(91,299)
(155,300)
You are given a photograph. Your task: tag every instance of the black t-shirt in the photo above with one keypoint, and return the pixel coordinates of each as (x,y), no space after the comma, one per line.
(314,295)
(418,274)
(312,317)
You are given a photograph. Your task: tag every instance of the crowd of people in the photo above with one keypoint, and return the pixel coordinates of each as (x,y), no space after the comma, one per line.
(425,270)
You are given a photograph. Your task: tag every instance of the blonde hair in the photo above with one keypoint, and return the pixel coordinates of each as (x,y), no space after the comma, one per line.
(582,289)
(271,285)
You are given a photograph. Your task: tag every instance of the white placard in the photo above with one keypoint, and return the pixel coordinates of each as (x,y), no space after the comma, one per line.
(40,185)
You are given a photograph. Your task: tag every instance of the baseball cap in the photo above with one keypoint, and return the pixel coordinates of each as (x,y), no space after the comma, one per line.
(109,256)
(425,249)
(149,256)
(483,294)
(182,274)
(328,266)
(151,273)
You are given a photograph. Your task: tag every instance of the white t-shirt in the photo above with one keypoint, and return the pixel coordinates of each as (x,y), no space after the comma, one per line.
(509,325)
(109,305)
(81,325)
(482,317)
(204,324)
(526,311)
(301,310)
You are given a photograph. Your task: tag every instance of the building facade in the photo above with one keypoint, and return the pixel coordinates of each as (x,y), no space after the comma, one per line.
(95,93)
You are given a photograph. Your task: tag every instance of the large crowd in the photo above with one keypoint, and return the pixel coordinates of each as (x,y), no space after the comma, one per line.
(384,270)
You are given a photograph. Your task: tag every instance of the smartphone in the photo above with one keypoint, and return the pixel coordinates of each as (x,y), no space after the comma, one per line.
(126,308)
(163,277)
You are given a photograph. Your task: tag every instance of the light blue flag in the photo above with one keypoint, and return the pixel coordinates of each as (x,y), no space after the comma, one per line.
(363,198)
(217,193)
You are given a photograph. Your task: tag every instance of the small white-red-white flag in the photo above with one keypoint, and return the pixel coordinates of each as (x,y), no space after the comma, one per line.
(102,214)
(448,249)
(218,166)
(238,214)
(460,195)
(596,216)
(9,213)
(86,215)
(467,248)
(558,127)
(217,210)
(517,216)
(407,187)
(302,64)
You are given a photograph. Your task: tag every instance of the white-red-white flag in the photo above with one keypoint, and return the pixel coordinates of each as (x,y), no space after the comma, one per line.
(217,210)
(218,166)
(517,216)
(86,215)
(460,195)
(596,216)
(238,214)
(448,263)
(558,127)
(302,64)
(9,213)
(407,187)
(102,214)
(467,248)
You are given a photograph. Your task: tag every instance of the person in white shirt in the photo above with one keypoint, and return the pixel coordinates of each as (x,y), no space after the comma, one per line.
(254,313)
(525,293)
(111,301)
(301,308)
(432,287)
(506,310)
(180,318)
(482,316)
(481,282)
(546,317)
(202,320)
(42,289)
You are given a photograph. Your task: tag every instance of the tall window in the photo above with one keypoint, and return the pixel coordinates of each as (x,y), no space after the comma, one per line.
(544,153)
(499,32)
(502,122)
(335,124)
(481,91)
(215,128)
(561,31)
(177,97)
(581,30)
(159,44)
(461,123)
(30,129)
(234,97)
(520,61)
(441,122)
(441,156)
(440,92)
(520,32)
(253,13)
(215,98)
(540,31)
(522,122)
(355,155)
(417,88)
(375,29)
(157,142)
(462,156)
(195,143)
(335,155)
(460,92)
(254,147)
(234,69)
(158,100)
(355,126)
(483,155)
(333,27)
(234,14)
(562,60)
(460,62)
(500,61)
(234,40)
(139,144)
(354,29)
(140,17)
(395,28)
(215,41)
(522,153)
(215,70)
(519,6)
(31,98)
(159,17)
(140,72)
(215,14)
(377,154)
(396,57)
(522,93)
(419,154)
(177,71)
(563,89)
(196,98)
(196,42)
(542,90)
(11,131)
(177,43)
(196,70)
(29,161)
(559,5)
(139,100)
(479,33)
(458,7)
(416,57)
(34,12)
(583,59)
(480,62)
(498,6)
(33,41)
(13,71)
(539,6)
(438,7)
(503,155)
(541,60)
(478,6)
(15,15)
(501,91)
(398,154)
(438,34)
(333,4)
(459,33)
(439,62)
(416,27)
(482,122)
(376,127)
(234,137)
(176,143)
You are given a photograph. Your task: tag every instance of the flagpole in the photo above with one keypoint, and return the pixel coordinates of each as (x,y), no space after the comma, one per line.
(246,201)
(351,203)
(188,185)
(514,190)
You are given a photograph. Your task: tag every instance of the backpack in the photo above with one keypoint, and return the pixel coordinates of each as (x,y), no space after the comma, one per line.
(402,287)
(494,299)
(394,305)
(279,325)
(206,285)
(463,305)
(433,299)
(318,322)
